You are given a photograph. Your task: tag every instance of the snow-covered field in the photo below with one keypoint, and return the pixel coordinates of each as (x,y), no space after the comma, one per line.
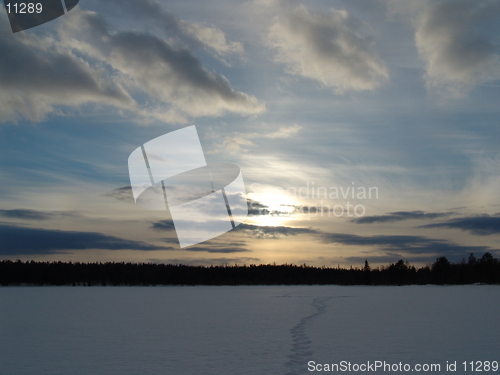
(245,329)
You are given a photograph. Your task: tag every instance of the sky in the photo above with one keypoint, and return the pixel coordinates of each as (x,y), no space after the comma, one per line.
(363,130)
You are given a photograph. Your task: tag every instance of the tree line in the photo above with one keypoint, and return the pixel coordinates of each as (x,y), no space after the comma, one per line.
(483,270)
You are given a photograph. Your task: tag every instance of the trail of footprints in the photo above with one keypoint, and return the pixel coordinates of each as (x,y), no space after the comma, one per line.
(301,350)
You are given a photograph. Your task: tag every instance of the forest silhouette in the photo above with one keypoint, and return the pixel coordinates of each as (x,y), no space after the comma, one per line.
(475,270)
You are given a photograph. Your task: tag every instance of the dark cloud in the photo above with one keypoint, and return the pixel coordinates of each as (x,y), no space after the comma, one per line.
(219,249)
(212,246)
(173,241)
(17,240)
(27,214)
(401,216)
(257,208)
(168,225)
(260,232)
(404,244)
(163,225)
(206,225)
(217,246)
(484,225)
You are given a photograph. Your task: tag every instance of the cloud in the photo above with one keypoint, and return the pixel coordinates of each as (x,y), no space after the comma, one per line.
(269,232)
(402,243)
(163,225)
(27,214)
(221,249)
(257,208)
(484,225)
(400,216)
(283,132)
(459,43)
(213,225)
(327,48)
(123,193)
(213,38)
(135,72)
(239,142)
(285,210)
(212,246)
(169,76)
(193,35)
(36,76)
(21,240)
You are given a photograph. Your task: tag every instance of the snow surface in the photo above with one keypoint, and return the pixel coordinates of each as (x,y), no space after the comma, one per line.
(243,329)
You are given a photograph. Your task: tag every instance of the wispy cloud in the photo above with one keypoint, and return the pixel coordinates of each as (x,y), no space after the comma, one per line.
(123,193)
(240,142)
(28,214)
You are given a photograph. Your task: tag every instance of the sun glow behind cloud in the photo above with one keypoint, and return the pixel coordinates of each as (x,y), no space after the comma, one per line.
(276,207)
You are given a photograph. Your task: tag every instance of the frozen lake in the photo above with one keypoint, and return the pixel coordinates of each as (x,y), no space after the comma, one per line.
(244,329)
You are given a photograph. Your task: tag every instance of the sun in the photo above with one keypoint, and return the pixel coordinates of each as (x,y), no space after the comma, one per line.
(271,208)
